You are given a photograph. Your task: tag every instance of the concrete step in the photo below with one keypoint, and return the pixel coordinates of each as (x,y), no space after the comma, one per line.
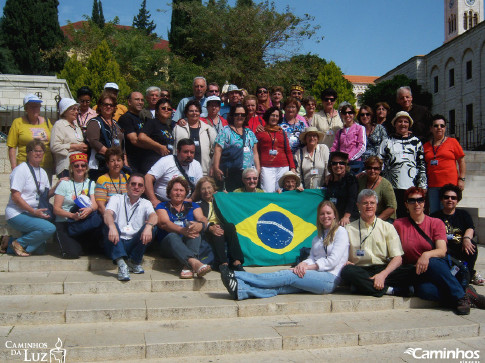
(152,306)
(132,341)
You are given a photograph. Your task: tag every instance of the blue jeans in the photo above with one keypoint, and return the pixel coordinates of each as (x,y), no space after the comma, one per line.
(35,232)
(283,282)
(438,284)
(434,200)
(180,247)
(127,248)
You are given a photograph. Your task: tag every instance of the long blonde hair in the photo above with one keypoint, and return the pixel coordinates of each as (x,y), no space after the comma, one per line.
(333,228)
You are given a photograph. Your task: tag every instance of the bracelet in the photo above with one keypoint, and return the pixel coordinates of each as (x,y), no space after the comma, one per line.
(467,237)
(460,178)
(151,224)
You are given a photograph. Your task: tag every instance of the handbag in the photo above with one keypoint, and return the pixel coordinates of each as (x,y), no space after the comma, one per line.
(77,228)
(232,156)
(43,197)
(457,267)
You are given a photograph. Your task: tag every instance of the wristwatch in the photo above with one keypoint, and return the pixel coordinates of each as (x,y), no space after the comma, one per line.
(460,178)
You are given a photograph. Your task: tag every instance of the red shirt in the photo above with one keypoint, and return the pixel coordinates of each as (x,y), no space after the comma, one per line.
(446,154)
(254,122)
(222,119)
(413,244)
(274,140)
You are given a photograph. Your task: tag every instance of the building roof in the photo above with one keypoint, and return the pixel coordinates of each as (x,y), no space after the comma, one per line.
(360,79)
(161,43)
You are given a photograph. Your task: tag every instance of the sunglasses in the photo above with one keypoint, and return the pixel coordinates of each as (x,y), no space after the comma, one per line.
(329,99)
(415,200)
(213,91)
(452,197)
(375,168)
(438,126)
(239,115)
(252,178)
(135,184)
(108,105)
(262,91)
(77,166)
(164,95)
(347,112)
(334,163)
(166,108)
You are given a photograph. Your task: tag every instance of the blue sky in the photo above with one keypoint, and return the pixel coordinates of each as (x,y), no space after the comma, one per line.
(362,37)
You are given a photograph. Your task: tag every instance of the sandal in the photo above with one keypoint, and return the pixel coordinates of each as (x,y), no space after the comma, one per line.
(19,250)
(186,274)
(478,280)
(4,244)
(203,270)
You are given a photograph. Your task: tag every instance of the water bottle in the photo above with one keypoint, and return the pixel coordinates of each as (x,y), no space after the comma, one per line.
(465,275)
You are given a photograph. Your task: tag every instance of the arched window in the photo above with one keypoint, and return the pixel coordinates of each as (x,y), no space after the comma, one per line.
(470,19)
(465,21)
(475,19)
(449,26)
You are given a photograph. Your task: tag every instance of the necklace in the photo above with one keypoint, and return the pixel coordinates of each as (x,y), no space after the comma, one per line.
(373,185)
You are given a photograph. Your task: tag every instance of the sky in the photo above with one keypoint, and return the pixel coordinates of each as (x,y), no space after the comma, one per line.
(368,37)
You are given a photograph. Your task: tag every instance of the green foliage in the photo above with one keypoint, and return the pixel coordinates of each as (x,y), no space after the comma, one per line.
(332,77)
(244,3)
(142,20)
(386,92)
(180,24)
(97,16)
(31,29)
(7,62)
(74,72)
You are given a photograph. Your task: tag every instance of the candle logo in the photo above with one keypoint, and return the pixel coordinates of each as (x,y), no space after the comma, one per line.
(58,354)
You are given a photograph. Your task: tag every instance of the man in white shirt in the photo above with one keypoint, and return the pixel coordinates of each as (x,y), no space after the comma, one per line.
(130,221)
(172,166)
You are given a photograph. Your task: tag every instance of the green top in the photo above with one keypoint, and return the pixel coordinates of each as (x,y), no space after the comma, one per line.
(385,194)
(243,190)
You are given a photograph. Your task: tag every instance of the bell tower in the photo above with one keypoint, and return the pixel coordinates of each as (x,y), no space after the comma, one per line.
(460,16)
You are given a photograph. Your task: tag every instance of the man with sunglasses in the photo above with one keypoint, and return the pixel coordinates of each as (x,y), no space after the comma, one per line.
(459,230)
(330,121)
(129,227)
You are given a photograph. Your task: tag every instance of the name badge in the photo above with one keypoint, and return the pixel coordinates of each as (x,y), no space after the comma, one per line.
(246,149)
(330,132)
(360,253)
(293,139)
(434,162)
(450,236)
(179,223)
(116,142)
(170,147)
(333,200)
(314,172)
(196,143)
(128,229)
(273,152)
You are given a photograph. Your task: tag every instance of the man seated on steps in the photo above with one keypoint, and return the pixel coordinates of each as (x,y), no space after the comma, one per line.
(130,222)
(375,263)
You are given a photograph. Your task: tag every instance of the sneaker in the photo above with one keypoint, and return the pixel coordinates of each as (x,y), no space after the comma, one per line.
(133,267)
(237,267)
(463,306)
(123,274)
(476,300)
(478,280)
(229,280)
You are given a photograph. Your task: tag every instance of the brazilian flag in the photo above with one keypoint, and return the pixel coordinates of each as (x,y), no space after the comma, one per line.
(271,227)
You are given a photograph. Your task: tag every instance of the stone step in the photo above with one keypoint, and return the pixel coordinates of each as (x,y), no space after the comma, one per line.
(152,306)
(132,341)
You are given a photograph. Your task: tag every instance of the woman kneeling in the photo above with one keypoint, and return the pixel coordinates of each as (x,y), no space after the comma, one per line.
(318,274)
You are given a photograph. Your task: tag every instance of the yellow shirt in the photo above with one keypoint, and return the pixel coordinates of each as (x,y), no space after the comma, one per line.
(212,217)
(22,132)
(378,240)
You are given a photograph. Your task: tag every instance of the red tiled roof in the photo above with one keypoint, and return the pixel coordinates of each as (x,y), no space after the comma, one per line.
(361,79)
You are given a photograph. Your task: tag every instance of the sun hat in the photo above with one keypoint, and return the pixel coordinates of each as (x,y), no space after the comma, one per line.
(288,174)
(31,98)
(65,103)
(311,130)
(402,114)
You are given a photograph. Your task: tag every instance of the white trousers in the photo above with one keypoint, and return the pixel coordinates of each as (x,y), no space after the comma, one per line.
(270,177)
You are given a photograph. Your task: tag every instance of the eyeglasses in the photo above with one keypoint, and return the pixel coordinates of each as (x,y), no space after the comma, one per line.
(298,93)
(262,91)
(375,168)
(239,115)
(108,105)
(347,112)
(84,101)
(77,166)
(329,99)
(415,200)
(452,197)
(334,163)
(365,115)
(436,126)
(164,95)
(213,91)
(166,108)
(251,178)
(135,184)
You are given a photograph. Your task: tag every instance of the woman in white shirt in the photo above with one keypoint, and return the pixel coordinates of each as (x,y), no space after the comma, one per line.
(319,273)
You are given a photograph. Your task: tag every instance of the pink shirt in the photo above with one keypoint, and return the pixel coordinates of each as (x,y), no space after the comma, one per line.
(351,141)
(413,244)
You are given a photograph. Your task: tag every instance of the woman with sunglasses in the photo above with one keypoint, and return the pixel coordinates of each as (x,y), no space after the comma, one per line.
(102,133)
(264,101)
(372,179)
(74,201)
(235,150)
(375,133)
(350,139)
(250,182)
(156,135)
(330,121)
(341,187)
(403,157)
(423,240)
(442,155)
(181,224)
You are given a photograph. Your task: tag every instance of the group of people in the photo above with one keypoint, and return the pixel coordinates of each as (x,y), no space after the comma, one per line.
(134,174)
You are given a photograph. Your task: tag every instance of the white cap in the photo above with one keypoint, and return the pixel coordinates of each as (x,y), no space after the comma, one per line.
(212,99)
(31,98)
(65,103)
(111,85)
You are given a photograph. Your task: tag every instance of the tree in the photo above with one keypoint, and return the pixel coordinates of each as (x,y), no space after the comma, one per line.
(142,20)
(332,77)
(30,29)
(179,24)
(244,3)
(386,92)
(74,72)
(97,16)
(7,62)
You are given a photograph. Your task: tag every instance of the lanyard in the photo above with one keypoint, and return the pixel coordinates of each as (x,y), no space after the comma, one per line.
(273,139)
(114,185)
(360,236)
(216,126)
(112,129)
(126,211)
(435,151)
(74,187)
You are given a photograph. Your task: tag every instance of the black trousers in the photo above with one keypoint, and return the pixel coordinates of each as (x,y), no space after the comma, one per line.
(456,251)
(73,247)
(359,277)
(401,210)
(218,244)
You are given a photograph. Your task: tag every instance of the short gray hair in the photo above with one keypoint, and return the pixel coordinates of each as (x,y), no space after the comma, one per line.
(151,89)
(249,170)
(367,193)
(199,77)
(403,88)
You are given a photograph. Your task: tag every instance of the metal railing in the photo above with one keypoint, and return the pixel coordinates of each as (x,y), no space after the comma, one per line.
(470,138)
(10,113)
